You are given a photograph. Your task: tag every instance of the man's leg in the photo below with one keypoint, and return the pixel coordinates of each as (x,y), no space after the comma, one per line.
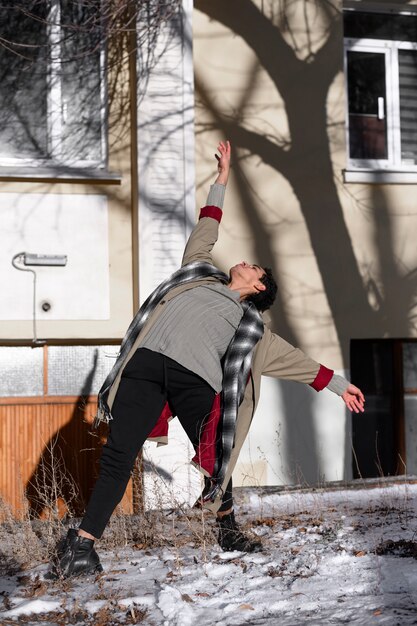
(227,500)
(191,399)
(137,406)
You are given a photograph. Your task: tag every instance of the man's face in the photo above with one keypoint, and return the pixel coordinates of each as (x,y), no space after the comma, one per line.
(248,276)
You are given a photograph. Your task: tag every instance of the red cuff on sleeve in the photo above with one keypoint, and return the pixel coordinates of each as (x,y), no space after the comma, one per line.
(322,379)
(211,211)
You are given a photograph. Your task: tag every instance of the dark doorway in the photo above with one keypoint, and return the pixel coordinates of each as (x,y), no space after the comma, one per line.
(384,438)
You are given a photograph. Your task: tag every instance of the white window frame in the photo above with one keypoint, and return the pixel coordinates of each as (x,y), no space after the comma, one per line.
(55,110)
(393,163)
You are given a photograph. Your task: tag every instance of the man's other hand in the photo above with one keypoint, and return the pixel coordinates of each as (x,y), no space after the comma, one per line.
(354,399)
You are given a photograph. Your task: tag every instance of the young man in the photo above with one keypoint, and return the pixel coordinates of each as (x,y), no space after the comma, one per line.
(196,350)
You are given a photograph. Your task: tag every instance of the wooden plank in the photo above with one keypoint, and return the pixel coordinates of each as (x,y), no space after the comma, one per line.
(48,452)
(19,401)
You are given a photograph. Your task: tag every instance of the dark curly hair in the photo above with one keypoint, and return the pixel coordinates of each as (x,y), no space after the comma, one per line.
(263,300)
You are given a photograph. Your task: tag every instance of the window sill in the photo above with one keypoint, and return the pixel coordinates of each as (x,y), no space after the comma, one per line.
(59,174)
(380,176)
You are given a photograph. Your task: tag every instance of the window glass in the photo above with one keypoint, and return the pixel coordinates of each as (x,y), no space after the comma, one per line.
(407,61)
(410,417)
(23,80)
(78,370)
(81,80)
(410,365)
(367,95)
(21,371)
(410,403)
(51,104)
(373,433)
(381,73)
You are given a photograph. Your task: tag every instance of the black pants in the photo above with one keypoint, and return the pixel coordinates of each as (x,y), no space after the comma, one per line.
(148,381)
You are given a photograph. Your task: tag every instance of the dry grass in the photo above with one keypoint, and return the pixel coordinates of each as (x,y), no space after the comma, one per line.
(28,541)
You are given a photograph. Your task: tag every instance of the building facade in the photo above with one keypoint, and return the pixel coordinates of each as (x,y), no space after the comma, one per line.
(107,150)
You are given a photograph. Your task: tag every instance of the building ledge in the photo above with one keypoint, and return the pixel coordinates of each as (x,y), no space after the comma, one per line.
(393,177)
(59,174)
(333,485)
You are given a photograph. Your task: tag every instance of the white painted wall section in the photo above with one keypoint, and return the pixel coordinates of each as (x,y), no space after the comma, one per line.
(73,225)
(298,436)
(166,150)
(166,213)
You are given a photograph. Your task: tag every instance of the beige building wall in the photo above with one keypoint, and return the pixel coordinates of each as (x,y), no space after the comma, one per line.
(269,76)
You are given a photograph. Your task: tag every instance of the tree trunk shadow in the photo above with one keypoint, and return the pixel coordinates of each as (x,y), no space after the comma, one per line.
(64,476)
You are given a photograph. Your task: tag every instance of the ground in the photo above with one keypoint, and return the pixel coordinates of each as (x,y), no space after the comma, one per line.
(331,556)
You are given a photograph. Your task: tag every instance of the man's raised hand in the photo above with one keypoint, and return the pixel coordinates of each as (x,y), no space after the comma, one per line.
(223,162)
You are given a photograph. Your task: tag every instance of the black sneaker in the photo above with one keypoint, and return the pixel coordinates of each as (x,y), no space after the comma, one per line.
(74,556)
(231,538)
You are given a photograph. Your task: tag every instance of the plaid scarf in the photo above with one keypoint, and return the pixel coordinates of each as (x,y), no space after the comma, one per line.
(237,360)
(236,368)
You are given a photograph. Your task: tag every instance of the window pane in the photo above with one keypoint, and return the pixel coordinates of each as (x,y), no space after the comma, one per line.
(410,416)
(367,94)
(23,79)
(373,433)
(79,370)
(81,80)
(410,365)
(21,371)
(410,404)
(361,25)
(407,60)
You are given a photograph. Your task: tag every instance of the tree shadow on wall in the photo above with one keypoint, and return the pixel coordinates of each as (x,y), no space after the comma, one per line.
(302,55)
(66,471)
(300,467)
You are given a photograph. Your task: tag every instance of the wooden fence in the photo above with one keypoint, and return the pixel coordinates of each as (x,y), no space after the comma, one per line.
(49,455)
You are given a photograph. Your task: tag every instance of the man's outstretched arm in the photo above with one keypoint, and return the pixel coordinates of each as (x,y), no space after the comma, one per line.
(205,233)
(284,361)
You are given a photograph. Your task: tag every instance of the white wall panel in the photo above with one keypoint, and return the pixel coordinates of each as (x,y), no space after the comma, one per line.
(166,149)
(75,225)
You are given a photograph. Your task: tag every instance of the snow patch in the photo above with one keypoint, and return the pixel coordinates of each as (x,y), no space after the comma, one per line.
(33,606)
